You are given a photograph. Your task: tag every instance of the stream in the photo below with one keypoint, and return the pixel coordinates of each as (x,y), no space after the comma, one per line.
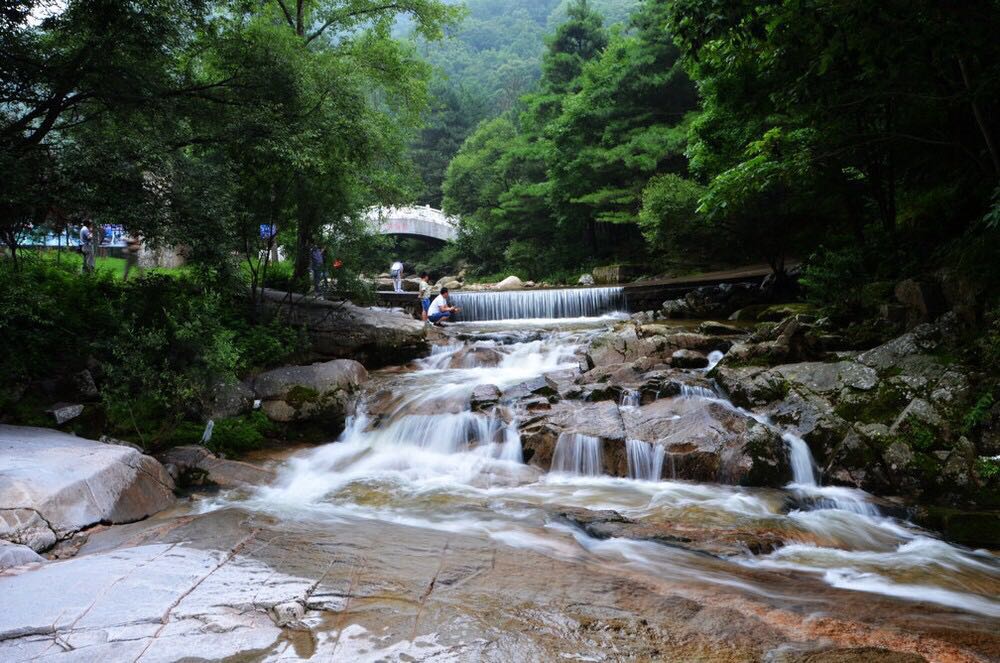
(431,531)
(427,460)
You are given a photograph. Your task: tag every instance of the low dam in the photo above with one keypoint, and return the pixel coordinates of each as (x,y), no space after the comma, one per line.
(536,304)
(575,302)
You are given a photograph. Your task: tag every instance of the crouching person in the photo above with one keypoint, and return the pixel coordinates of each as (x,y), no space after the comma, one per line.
(440,309)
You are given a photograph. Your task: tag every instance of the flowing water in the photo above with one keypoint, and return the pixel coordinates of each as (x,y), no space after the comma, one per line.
(539,304)
(417,454)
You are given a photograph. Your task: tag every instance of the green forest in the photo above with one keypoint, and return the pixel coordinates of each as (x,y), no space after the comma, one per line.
(687,135)
(672,136)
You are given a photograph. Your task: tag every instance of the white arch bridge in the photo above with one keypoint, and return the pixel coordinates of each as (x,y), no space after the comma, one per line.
(424,221)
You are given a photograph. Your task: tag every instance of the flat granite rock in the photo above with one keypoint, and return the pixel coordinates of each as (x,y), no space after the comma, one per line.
(53,484)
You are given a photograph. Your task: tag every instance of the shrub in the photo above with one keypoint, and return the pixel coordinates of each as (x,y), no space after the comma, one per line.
(669,218)
(238,435)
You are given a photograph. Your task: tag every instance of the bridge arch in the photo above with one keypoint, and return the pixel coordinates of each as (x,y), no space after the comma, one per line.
(421,221)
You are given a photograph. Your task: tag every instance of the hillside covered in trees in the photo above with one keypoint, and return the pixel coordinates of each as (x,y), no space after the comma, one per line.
(683,135)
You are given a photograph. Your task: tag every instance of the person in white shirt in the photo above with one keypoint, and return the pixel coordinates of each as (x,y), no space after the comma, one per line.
(397,276)
(440,309)
(87,247)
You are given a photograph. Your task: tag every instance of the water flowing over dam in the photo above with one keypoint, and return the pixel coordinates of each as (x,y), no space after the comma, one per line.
(539,304)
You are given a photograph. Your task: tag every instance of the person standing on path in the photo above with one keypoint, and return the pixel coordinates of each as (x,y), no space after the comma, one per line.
(318,256)
(397,276)
(425,294)
(132,247)
(87,247)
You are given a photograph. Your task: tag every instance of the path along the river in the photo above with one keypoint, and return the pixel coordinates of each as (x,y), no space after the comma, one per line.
(422,535)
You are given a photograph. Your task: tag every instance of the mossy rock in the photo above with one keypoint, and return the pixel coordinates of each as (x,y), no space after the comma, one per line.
(972,528)
(881,406)
(299,396)
(778,312)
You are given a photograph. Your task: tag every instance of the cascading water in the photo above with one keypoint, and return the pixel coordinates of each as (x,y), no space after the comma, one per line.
(428,460)
(577,454)
(801,460)
(630,398)
(548,304)
(645,460)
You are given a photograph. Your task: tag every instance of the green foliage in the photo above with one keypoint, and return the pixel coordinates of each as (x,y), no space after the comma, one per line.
(854,141)
(177,353)
(978,413)
(849,280)
(164,345)
(52,317)
(234,436)
(920,436)
(669,219)
(238,435)
(987,469)
(539,190)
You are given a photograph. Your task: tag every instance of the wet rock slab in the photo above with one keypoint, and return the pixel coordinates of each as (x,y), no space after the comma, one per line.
(53,484)
(227,584)
(230,585)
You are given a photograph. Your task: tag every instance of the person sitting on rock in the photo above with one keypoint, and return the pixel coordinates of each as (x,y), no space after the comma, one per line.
(440,309)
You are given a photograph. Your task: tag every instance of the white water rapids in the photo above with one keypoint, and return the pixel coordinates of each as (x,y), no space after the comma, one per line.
(419,455)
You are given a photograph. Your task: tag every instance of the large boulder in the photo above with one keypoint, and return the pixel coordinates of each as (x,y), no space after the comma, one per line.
(707,441)
(510,283)
(688,359)
(231,399)
(53,484)
(475,356)
(702,441)
(318,392)
(714,301)
(923,300)
(14,554)
(342,330)
(654,342)
(922,339)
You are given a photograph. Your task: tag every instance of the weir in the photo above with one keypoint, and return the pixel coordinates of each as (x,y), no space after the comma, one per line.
(550,304)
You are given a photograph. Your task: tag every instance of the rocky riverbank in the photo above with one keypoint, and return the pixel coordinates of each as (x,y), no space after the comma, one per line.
(890,420)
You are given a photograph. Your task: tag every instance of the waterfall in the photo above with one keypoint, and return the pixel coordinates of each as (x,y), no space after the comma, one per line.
(645,460)
(577,454)
(694,391)
(801,460)
(630,398)
(525,304)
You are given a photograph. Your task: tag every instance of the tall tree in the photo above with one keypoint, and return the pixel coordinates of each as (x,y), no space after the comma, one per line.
(358,32)
(62,67)
(627,123)
(878,101)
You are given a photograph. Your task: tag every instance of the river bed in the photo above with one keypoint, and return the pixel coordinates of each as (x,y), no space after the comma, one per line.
(421,534)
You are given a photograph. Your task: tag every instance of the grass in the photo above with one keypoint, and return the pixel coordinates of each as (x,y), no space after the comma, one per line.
(114,266)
